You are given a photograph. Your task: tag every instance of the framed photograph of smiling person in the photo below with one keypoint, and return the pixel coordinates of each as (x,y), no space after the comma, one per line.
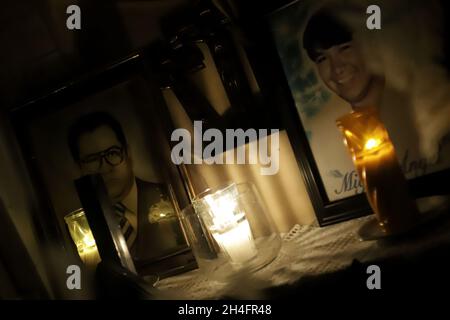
(329,71)
(110,124)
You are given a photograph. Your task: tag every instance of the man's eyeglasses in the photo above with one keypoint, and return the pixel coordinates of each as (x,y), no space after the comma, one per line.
(113,156)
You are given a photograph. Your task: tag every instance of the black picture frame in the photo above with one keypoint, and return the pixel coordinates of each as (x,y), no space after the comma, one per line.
(138,65)
(255,21)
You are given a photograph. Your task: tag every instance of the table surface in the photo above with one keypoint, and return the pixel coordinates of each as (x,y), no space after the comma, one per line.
(311,250)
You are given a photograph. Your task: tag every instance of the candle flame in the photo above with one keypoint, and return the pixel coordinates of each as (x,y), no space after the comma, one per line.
(222,207)
(372,143)
(88,240)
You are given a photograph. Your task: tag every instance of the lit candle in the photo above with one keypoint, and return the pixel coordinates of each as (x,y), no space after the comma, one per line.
(376,162)
(229,226)
(82,237)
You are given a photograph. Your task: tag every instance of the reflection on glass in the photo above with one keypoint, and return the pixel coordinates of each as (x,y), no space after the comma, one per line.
(82,237)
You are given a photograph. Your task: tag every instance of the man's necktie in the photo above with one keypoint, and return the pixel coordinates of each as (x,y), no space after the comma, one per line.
(127,229)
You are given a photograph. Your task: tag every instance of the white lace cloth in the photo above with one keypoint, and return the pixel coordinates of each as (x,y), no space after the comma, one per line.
(306,250)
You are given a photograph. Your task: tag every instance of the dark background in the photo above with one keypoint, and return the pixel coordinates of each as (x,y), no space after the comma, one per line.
(38,54)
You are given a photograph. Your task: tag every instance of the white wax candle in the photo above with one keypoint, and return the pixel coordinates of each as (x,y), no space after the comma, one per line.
(237,240)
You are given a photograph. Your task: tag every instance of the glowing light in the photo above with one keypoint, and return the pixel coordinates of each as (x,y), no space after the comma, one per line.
(89,240)
(82,237)
(230,227)
(348,133)
(372,143)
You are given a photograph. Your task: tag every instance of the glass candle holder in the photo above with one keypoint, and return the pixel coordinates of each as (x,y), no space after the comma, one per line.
(82,237)
(375,159)
(230,226)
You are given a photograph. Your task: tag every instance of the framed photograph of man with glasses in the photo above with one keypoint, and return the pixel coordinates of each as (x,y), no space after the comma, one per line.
(109,124)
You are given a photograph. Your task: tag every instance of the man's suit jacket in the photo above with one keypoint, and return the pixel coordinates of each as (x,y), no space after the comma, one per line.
(155,238)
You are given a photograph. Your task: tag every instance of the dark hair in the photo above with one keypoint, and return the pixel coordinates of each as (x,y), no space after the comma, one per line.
(88,123)
(323,31)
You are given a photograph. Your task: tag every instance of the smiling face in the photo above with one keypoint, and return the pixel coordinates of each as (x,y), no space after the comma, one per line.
(118,178)
(343,71)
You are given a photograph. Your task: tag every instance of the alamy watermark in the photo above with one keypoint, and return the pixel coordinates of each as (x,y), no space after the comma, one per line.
(74,279)
(235,140)
(374,280)
(73,21)
(373,22)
